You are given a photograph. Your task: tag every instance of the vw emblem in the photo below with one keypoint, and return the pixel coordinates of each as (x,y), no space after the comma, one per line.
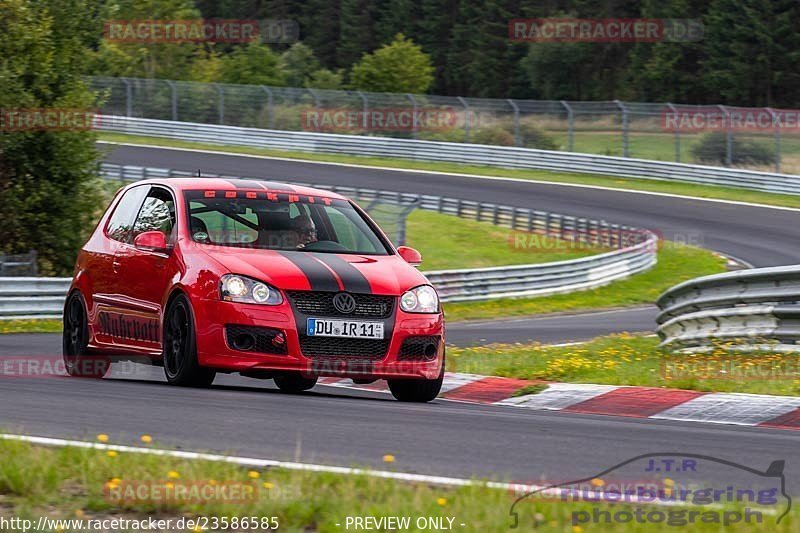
(344,303)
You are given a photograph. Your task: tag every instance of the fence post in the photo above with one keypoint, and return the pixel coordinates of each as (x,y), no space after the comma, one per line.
(173,99)
(317,103)
(413,122)
(34,263)
(728,136)
(777,135)
(269,105)
(128,97)
(515,107)
(624,116)
(570,125)
(221,106)
(674,110)
(365,118)
(466,117)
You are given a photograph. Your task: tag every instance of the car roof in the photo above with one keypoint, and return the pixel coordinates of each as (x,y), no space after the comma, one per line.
(238,184)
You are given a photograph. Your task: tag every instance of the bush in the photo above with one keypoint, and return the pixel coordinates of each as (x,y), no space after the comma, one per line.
(496,135)
(712,148)
(535,137)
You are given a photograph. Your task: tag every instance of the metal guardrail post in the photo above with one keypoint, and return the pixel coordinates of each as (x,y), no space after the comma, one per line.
(515,107)
(173,98)
(570,126)
(728,136)
(466,117)
(315,96)
(269,105)
(624,116)
(777,138)
(128,97)
(677,135)
(414,108)
(365,110)
(220,102)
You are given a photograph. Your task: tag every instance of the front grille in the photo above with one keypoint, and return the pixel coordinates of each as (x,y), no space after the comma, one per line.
(259,339)
(419,348)
(341,347)
(318,303)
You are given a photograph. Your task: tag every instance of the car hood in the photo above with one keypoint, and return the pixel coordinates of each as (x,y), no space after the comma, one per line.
(295,270)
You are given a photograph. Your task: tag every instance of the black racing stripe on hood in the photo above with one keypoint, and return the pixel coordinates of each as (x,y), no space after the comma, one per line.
(266,185)
(319,277)
(352,279)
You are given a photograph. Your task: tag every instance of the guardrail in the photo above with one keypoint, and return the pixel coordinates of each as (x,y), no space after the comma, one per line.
(633,251)
(28,297)
(483,155)
(18,264)
(748,308)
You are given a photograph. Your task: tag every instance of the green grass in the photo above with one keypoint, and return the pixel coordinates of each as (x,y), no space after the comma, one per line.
(670,187)
(447,242)
(626,359)
(30,326)
(72,483)
(676,263)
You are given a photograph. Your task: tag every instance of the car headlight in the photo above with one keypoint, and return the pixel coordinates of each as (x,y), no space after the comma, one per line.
(235,288)
(422,299)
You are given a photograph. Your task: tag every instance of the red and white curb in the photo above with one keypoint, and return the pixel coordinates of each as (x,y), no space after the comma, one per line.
(638,402)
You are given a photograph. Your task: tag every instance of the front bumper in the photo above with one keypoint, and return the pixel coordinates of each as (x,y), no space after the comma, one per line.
(214,351)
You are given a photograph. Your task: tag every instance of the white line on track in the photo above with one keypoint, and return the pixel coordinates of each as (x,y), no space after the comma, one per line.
(473,176)
(517,488)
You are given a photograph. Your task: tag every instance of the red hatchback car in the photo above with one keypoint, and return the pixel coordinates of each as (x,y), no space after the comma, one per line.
(261,278)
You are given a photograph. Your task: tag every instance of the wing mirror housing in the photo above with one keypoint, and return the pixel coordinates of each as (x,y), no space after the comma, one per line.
(152,241)
(410,255)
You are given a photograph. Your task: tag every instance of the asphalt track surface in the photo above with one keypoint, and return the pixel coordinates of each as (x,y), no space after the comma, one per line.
(251,418)
(342,427)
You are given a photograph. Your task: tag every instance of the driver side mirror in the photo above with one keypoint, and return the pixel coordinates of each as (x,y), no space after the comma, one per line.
(152,241)
(410,255)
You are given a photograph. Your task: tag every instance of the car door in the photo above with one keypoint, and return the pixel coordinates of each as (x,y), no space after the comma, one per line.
(145,274)
(104,302)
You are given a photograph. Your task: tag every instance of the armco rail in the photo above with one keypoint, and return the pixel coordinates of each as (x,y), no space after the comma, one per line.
(633,251)
(32,297)
(484,155)
(744,307)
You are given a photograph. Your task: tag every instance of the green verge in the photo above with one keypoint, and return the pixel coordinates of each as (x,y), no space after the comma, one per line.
(31,326)
(79,484)
(626,359)
(668,187)
(676,263)
(446,241)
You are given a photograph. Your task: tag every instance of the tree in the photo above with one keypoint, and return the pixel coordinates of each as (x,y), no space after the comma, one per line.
(255,63)
(752,52)
(298,64)
(400,66)
(49,191)
(145,60)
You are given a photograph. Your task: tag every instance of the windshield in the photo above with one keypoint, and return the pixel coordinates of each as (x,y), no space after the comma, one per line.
(280,221)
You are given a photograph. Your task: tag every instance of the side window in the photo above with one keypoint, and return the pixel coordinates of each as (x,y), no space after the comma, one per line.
(216,227)
(157,213)
(120,224)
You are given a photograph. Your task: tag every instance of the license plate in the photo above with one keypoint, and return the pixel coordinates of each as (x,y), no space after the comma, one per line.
(319,327)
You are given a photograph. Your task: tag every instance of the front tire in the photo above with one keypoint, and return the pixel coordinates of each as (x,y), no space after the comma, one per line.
(180,347)
(75,342)
(417,390)
(294,383)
